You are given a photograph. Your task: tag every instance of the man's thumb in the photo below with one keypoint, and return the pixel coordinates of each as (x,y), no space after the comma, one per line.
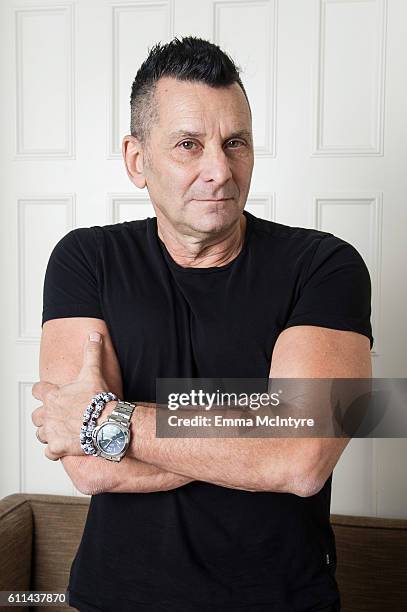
(93,351)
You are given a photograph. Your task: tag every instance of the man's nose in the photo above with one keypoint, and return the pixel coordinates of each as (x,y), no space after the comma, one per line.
(215,166)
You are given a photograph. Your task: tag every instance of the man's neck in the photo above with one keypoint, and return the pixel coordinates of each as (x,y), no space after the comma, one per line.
(192,252)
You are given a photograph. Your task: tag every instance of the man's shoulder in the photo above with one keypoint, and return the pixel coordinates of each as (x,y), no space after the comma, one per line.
(85,242)
(289,241)
(281,231)
(122,226)
(299,246)
(93,232)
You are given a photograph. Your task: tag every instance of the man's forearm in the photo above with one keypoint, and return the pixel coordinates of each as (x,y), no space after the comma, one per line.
(93,475)
(251,464)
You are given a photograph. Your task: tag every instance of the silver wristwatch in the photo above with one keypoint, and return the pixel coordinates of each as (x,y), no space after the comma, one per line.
(112,437)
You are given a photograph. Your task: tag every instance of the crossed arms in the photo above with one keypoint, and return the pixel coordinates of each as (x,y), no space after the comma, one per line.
(291,465)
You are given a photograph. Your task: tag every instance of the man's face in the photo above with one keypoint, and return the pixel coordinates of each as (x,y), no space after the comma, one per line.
(199,158)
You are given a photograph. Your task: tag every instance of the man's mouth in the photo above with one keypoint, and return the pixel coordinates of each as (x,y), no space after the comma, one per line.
(212,199)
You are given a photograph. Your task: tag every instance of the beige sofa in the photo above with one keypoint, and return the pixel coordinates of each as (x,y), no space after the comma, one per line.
(39,536)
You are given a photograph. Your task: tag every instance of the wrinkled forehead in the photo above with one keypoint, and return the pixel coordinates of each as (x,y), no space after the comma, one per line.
(201,108)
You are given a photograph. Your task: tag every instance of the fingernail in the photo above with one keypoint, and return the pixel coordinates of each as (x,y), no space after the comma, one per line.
(94,337)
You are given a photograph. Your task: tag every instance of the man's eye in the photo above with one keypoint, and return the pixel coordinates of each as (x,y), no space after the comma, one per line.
(234,144)
(187,145)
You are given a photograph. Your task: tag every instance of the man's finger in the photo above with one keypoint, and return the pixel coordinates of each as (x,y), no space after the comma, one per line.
(37,416)
(92,358)
(50,455)
(40,389)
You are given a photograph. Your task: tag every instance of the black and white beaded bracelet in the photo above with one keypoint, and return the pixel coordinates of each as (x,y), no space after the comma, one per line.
(90,416)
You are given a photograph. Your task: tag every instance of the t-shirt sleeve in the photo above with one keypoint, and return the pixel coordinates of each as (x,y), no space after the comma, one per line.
(335,291)
(71,287)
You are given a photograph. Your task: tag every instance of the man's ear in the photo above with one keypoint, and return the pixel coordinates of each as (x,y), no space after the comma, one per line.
(134,160)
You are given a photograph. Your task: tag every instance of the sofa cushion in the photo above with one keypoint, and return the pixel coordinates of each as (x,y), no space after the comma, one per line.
(15,543)
(371,563)
(58,525)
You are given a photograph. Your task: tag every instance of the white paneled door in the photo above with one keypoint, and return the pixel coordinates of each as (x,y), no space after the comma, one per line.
(326,80)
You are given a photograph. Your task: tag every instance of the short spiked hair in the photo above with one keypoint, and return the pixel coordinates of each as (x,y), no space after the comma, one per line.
(186,59)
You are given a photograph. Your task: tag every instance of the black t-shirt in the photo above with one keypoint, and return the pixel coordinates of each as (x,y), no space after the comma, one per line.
(202,546)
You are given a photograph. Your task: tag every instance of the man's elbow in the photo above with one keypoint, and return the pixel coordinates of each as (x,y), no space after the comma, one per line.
(312,475)
(92,484)
(87,488)
(81,475)
(306,476)
(308,488)
(302,488)
(305,481)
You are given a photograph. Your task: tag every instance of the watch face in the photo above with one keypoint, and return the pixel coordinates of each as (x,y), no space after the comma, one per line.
(111,439)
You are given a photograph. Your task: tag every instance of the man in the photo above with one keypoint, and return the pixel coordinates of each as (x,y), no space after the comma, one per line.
(205,289)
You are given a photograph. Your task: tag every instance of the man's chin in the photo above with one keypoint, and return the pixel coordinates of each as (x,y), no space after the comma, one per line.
(212,217)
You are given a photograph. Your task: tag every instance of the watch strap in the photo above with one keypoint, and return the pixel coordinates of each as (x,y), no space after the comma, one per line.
(122,413)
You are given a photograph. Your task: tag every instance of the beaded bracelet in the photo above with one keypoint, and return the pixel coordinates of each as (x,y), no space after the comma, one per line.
(90,416)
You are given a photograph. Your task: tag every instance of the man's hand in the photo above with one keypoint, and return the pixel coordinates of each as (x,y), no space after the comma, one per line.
(60,417)
(61,360)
